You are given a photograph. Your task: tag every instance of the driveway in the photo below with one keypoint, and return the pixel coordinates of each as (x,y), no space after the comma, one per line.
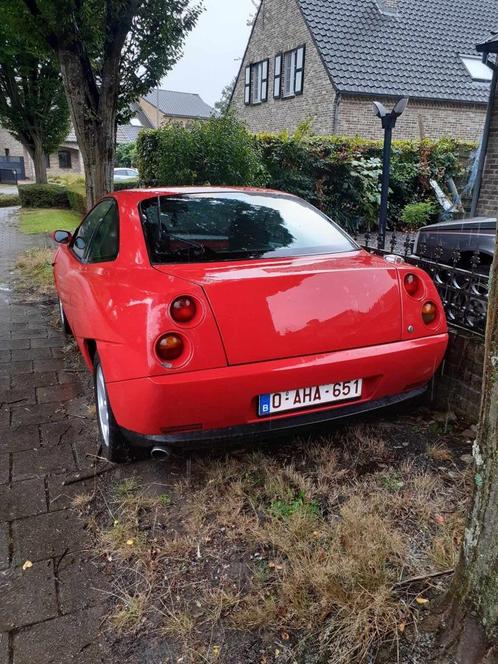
(52,600)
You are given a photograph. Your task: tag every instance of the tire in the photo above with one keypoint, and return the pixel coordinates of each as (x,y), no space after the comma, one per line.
(62,316)
(114,446)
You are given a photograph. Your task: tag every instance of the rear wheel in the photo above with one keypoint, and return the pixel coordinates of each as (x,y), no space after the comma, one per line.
(114,446)
(62,316)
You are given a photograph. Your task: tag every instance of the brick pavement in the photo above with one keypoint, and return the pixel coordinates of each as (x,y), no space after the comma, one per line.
(52,611)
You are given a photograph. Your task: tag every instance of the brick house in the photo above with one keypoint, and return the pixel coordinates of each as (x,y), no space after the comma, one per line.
(149,112)
(329,59)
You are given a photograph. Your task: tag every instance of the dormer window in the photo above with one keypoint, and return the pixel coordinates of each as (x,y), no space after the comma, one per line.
(135,122)
(478,70)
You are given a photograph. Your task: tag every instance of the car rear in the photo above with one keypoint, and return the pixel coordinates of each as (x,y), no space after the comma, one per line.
(312,327)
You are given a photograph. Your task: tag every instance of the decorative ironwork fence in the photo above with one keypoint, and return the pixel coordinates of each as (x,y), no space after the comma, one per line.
(464,293)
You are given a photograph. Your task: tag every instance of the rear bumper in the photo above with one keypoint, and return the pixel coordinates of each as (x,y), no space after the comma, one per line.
(267,427)
(222,403)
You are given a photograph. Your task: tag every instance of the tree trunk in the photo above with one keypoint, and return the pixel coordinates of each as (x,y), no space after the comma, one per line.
(94,119)
(472,616)
(37,154)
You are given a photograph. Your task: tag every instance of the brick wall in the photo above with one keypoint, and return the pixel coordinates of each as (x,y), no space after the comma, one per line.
(433,119)
(280,27)
(488,198)
(457,385)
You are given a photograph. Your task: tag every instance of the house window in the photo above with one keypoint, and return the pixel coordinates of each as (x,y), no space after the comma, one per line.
(256,83)
(135,122)
(64,159)
(7,152)
(478,69)
(290,68)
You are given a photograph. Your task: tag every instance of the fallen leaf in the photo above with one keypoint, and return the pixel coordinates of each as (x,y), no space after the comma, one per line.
(27,565)
(216,650)
(439,518)
(285,636)
(130,542)
(421,600)
(402,627)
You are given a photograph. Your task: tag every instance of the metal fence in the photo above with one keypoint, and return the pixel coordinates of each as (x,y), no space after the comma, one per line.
(464,293)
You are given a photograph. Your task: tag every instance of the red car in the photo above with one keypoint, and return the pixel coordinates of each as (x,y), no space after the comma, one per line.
(210,314)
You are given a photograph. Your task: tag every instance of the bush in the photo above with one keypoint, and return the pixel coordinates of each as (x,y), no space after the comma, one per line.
(9,200)
(416,215)
(77,199)
(219,151)
(126,155)
(338,174)
(43,196)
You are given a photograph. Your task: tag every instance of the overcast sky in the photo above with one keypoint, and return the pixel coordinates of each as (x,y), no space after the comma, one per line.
(212,50)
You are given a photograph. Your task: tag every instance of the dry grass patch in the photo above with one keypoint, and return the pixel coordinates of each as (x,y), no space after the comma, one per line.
(34,272)
(304,547)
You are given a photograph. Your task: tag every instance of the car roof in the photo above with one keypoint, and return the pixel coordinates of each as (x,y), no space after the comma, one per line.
(138,193)
(470,224)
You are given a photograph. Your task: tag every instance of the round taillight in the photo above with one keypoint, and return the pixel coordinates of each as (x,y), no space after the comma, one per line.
(429,313)
(183,309)
(412,284)
(169,347)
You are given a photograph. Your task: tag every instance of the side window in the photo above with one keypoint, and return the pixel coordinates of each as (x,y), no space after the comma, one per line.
(83,235)
(104,245)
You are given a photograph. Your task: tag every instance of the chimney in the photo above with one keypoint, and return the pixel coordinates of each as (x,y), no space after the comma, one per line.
(388,7)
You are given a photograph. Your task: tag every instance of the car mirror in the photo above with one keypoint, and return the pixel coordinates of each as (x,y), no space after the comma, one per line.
(80,243)
(62,237)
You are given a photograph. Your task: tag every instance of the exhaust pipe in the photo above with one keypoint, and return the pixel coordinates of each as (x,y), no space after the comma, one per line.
(160,453)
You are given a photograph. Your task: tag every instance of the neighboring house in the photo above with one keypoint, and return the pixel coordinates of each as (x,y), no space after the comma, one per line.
(329,59)
(485,201)
(173,106)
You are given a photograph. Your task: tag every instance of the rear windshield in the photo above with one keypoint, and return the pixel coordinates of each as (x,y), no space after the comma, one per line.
(233,225)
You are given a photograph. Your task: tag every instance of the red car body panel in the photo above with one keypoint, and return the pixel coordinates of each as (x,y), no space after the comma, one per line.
(262,326)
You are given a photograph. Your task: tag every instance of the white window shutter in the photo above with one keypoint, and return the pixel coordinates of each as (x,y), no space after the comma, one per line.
(277,80)
(264,80)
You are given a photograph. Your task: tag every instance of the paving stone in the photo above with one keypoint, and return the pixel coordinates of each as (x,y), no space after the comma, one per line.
(35,334)
(4,648)
(31,354)
(11,344)
(81,583)
(4,468)
(37,414)
(5,356)
(4,545)
(71,639)
(13,368)
(17,397)
(4,380)
(18,439)
(61,497)
(22,499)
(48,365)
(40,461)
(37,379)
(83,377)
(4,416)
(28,596)
(58,393)
(48,342)
(48,535)
(60,432)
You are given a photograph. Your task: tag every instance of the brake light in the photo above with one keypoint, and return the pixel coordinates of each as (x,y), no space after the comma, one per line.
(429,313)
(412,284)
(169,347)
(183,309)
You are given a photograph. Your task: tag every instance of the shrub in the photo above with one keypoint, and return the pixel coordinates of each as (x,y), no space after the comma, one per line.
(219,151)
(126,155)
(43,196)
(416,215)
(338,174)
(77,199)
(8,200)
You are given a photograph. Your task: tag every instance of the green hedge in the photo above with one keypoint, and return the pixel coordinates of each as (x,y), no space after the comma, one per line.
(43,196)
(76,199)
(9,200)
(340,175)
(126,184)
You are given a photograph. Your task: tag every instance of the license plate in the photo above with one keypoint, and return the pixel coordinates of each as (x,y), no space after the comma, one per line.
(304,397)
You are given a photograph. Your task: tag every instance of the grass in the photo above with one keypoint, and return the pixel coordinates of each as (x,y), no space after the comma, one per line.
(34,272)
(47,220)
(304,548)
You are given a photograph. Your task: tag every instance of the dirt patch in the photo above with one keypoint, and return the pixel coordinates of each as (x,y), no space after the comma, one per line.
(299,552)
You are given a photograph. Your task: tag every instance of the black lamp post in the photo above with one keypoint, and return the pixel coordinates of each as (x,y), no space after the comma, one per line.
(388,123)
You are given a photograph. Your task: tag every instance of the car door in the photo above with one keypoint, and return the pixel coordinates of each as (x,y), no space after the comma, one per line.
(71,273)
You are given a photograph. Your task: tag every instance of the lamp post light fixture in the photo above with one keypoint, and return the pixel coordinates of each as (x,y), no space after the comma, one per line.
(388,123)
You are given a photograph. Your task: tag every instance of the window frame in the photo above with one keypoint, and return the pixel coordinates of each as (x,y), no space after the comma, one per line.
(261,82)
(84,258)
(67,152)
(295,71)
